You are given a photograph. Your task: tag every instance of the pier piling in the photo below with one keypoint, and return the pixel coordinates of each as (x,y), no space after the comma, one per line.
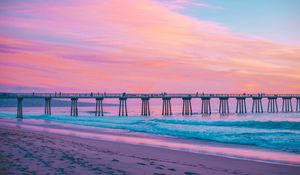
(287,104)
(48,106)
(20,107)
(206,108)
(187,106)
(166,110)
(123,106)
(99,107)
(74,106)
(257,106)
(241,105)
(223,106)
(298,104)
(272,104)
(145,106)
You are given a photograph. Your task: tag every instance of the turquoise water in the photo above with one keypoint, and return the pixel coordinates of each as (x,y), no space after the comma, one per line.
(275,131)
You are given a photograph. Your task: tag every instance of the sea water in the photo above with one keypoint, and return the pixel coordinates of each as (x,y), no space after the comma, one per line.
(277,131)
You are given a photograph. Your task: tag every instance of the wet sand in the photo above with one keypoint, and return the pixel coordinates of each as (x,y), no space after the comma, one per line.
(32,152)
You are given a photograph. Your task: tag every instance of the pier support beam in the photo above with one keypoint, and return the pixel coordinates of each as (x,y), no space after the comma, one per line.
(123,106)
(287,104)
(206,108)
(48,106)
(298,104)
(20,107)
(166,110)
(74,107)
(145,106)
(241,105)
(224,106)
(187,106)
(99,107)
(257,106)
(272,104)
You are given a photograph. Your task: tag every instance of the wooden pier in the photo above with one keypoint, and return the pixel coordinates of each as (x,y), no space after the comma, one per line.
(241,107)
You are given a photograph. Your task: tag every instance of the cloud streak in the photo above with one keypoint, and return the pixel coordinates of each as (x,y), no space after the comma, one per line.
(144,45)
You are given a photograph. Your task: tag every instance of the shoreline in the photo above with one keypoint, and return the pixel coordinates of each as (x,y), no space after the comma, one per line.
(227,150)
(209,164)
(120,157)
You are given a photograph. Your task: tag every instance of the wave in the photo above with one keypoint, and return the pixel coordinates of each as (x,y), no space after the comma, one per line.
(278,135)
(247,124)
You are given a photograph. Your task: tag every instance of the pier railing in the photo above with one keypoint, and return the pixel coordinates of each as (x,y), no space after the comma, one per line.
(140,95)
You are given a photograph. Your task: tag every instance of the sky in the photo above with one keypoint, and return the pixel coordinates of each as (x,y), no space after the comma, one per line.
(184,46)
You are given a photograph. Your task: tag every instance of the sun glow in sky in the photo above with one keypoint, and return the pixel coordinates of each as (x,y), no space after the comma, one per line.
(150,46)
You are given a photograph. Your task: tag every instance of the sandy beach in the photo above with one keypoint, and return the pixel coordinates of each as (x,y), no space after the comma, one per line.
(150,87)
(33,152)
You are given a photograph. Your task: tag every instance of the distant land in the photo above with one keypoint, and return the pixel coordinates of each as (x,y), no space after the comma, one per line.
(41,102)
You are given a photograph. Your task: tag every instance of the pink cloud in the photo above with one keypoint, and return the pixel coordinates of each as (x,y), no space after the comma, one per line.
(120,45)
(182,4)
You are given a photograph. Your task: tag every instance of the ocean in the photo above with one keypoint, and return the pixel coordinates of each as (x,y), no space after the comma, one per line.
(277,131)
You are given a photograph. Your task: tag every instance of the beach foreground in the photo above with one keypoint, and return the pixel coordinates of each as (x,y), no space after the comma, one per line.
(33,152)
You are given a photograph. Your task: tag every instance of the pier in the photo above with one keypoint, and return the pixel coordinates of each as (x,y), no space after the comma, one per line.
(224,106)
(187,106)
(166,109)
(257,106)
(99,107)
(74,106)
(241,105)
(272,104)
(145,106)
(48,106)
(123,106)
(205,109)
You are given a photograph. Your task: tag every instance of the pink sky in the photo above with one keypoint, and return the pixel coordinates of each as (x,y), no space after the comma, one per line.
(135,46)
